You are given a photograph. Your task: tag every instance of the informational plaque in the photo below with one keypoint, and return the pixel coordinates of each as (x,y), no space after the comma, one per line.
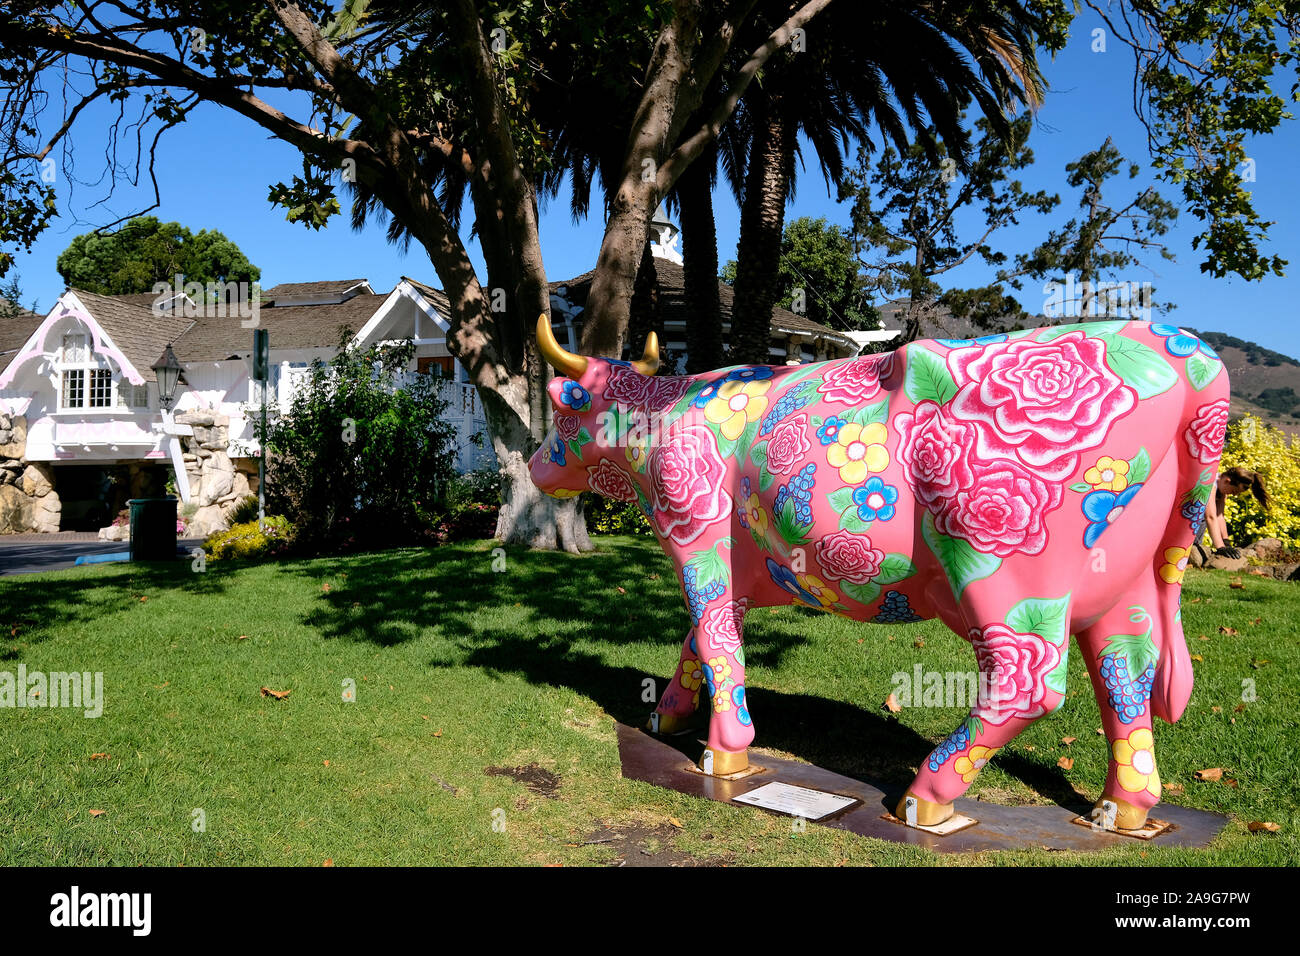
(796,801)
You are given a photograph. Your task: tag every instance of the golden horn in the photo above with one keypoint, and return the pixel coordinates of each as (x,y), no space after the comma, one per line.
(648,364)
(566,363)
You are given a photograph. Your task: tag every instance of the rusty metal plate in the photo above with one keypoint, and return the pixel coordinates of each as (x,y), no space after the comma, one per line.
(669,763)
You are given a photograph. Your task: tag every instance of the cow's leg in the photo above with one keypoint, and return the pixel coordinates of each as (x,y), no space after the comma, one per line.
(681,698)
(1121,651)
(730,729)
(1011,694)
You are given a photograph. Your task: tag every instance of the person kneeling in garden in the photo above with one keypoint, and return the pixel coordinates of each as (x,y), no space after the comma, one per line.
(1234,481)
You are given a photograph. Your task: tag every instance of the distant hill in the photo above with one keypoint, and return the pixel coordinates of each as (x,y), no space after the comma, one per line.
(1264,382)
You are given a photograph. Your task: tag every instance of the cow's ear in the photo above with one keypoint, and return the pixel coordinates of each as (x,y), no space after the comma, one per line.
(556,390)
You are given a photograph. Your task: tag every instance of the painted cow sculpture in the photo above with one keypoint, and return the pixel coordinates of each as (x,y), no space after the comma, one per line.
(1020,487)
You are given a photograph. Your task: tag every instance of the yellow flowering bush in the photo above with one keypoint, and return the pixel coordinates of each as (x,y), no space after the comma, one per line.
(1276,456)
(247,540)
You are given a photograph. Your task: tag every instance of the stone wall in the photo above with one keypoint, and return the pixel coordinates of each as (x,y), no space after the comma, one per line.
(28,501)
(217,484)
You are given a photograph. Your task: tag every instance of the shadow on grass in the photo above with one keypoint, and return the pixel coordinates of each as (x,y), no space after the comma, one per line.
(566,602)
(33,608)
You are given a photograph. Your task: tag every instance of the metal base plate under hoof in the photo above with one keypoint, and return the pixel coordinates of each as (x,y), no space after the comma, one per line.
(1104,815)
(938,818)
(954,824)
(672,725)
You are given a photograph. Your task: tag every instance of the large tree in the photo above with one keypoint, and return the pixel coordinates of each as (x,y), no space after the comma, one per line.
(390,97)
(146,251)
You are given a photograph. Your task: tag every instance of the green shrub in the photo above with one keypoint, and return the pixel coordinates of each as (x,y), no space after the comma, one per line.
(247,540)
(362,452)
(245,511)
(482,487)
(607,516)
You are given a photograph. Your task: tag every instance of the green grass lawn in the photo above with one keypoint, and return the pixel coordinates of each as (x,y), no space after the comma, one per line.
(459,669)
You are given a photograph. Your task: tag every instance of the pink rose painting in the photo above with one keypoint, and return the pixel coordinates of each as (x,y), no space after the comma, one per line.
(627,386)
(1013,668)
(846,556)
(1207,431)
(1039,402)
(687,483)
(567,426)
(788,445)
(852,383)
(722,625)
(935,451)
(1002,512)
(606,478)
(654,393)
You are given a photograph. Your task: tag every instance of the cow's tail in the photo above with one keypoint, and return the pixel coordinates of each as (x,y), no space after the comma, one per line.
(1172,687)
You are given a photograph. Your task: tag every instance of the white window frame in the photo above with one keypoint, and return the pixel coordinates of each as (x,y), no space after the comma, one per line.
(121,395)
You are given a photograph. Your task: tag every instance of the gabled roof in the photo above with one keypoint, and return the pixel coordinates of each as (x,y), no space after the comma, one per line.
(291,327)
(435,297)
(136,330)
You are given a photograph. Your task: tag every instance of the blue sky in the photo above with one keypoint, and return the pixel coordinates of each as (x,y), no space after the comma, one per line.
(214,172)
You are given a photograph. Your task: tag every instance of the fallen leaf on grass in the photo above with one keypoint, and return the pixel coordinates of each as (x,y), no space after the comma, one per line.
(1100,732)
(162,685)
(1239,708)
(99,756)
(277,694)
(327,763)
(1194,601)
(1260,574)
(437,733)
(1256,663)
(918,643)
(674,822)
(1174,788)
(1255,826)
(1197,657)
(1068,740)
(329,862)
(1212,773)
(1217,710)
(1030,747)
(622,590)
(1230,631)
(1230,782)
(325,588)
(242,637)
(1236,584)
(143,598)
(1257,621)
(1065,763)
(891,704)
(97,813)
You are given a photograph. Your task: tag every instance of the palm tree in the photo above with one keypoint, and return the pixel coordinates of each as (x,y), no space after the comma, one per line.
(860,69)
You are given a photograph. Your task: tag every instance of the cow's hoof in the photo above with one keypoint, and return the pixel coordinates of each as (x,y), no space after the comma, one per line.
(1127,816)
(927,814)
(671,723)
(720,763)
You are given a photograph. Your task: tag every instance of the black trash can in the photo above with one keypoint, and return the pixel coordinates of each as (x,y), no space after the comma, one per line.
(153,529)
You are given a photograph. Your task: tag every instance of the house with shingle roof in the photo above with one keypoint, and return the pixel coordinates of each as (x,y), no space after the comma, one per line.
(82,429)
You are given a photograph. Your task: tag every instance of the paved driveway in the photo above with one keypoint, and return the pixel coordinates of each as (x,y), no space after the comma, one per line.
(29,553)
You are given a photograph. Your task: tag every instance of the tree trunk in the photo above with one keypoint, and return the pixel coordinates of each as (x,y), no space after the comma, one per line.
(762,219)
(644,310)
(700,264)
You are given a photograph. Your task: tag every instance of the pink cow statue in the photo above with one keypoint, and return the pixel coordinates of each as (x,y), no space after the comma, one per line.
(1020,487)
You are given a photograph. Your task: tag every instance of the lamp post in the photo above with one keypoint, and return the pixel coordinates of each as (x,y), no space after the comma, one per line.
(168,371)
